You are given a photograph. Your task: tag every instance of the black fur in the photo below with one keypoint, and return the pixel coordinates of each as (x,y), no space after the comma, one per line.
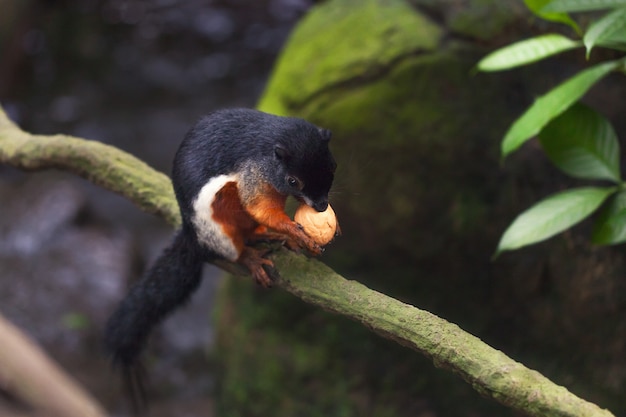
(166,285)
(225,141)
(265,148)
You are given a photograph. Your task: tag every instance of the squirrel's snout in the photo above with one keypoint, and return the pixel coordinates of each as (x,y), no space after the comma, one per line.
(321,205)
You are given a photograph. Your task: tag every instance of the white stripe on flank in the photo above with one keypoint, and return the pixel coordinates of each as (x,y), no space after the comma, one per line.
(210,233)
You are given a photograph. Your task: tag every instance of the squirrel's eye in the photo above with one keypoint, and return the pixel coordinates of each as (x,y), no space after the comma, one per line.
(294,182)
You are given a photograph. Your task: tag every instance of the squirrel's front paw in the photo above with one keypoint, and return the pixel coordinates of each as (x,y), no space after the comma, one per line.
(315,249)
(311,245)
(299,240)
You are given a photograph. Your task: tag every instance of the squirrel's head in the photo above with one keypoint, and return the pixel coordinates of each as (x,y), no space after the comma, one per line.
(305,166)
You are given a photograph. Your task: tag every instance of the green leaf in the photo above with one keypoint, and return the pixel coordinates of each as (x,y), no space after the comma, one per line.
(536,7)
(583,144)
(581,5)
(551,216)
(526,52)
(603,29)
(615,39)
(551,104)
(610,227)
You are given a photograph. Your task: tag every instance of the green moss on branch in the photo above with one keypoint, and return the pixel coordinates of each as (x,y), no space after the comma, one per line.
(98,163)
(488,370)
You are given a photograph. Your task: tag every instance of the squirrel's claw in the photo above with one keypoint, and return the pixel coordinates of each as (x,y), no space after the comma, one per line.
(253,260)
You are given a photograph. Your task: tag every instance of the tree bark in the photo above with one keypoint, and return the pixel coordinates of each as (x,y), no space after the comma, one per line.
(488,370)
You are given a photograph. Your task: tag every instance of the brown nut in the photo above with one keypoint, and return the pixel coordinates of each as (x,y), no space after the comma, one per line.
(321,227)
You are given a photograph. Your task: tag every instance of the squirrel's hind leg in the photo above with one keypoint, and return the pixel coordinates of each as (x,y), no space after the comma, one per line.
(254,260)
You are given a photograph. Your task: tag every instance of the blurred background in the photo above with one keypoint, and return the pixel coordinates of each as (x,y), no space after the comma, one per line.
(135,74)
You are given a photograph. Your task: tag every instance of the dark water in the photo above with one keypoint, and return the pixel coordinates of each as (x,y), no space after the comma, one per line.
(134,74)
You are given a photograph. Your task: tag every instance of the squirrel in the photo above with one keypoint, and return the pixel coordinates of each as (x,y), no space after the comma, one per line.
(231,175)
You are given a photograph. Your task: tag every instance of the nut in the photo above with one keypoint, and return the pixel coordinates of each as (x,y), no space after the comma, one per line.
(321,227)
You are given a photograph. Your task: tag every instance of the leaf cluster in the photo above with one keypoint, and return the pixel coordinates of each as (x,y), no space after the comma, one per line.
(577,139)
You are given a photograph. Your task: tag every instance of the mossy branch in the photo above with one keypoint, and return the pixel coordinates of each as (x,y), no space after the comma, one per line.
(98,163)
(488,370)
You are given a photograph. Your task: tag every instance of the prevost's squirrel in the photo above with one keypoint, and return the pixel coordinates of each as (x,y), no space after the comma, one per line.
(232,175)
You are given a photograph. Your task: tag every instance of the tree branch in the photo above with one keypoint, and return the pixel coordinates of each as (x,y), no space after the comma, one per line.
(98,163)
(27,373)
(488,370)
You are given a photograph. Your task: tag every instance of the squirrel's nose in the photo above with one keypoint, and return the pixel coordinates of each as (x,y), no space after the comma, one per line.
(321,205)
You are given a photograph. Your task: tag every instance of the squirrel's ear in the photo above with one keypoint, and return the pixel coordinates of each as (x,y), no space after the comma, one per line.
(326,134)
(281,152)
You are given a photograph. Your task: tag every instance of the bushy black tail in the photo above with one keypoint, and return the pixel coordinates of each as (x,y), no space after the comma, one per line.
(167,285)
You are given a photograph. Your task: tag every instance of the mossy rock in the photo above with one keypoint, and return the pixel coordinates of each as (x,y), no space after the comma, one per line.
(422,199)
